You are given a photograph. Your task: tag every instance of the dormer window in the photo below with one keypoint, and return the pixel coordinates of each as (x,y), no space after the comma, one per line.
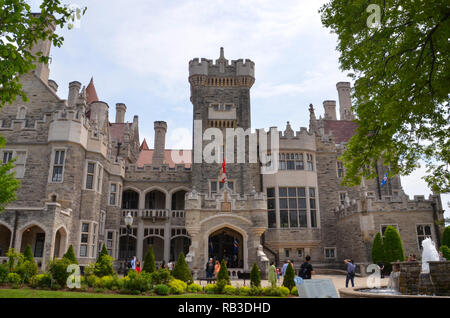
(22,112)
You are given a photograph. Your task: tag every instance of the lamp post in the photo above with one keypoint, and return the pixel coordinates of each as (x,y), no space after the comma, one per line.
(128,223)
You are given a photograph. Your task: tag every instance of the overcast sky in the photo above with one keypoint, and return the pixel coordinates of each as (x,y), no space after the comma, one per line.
(138,53)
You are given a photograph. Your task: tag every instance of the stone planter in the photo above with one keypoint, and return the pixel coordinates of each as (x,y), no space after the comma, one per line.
(440,277)
(409,277)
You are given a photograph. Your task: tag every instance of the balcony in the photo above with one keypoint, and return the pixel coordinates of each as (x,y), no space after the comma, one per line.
(158,214)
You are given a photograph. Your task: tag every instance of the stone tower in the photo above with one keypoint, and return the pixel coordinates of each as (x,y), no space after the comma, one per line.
(345,101)
(160,142)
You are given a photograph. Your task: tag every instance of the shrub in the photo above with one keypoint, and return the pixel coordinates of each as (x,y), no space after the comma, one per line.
(26,270)
(70,255)
(92,281)
(136,281)
(393,247)
(445,252)
(284,291)
(89,270)
(194,288)
(271,291)
(41,281)
(255,291)
(377,249)
(288,280)
(102,253)
(14,279)
(177,286)
(14,259)
(446,237)
(162,289)
(104,266)
(182,271)
(255,276)
(160,277)
(4,271)
(220,285)
(244,291)
(229,290)
(210,289)
(223,272)
(58,269)
(108,282)
(56,286)
(294,291)
(149,261)
(28,254)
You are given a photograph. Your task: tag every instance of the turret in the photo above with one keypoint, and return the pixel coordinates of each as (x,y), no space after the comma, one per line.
(99,113)
(43,46)
(74,91)
(120,113)
(329,107)
(345,101)
(160,142)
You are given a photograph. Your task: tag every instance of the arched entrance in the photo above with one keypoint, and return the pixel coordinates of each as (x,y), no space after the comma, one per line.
(35,237)
(5,240)
(155,200)
(130,200)
(60,243)
(123,253)
(178,245)
(226,244)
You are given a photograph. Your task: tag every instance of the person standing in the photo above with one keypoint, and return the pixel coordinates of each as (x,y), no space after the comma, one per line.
(273,275)
(351,271)
(138,266)
(210,268)
(283,269)
(133,263)
(216,269)
(306,269)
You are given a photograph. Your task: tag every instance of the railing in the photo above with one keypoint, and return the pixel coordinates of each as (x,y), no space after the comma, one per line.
(177,213)
(153,214)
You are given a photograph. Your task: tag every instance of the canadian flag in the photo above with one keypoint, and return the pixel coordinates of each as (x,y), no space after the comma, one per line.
(224,172)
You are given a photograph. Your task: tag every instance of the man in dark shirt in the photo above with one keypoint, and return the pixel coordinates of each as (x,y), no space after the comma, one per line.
(306,269)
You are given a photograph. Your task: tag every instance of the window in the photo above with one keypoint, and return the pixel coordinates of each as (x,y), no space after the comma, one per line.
(309,159)
(39,246)
(20,156)
(300,253)
(58,166)
(94,176)
(290,161)
(271,211)
(219,185)
(7,156)
(113,194)
(299,164)
(286,252)
(342,196)
(384,227)
(90,175)
(110,242)
(340,169)
(101,229)
(330,252)
(312,206)
(423,232)
(292,207)
(88,239)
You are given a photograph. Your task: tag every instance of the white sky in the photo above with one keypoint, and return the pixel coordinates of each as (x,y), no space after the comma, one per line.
(138,53)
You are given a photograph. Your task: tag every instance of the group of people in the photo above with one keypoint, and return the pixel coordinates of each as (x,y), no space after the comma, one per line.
(135,264)
(212,268)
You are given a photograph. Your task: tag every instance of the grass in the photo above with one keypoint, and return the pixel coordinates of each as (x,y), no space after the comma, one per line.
(35,293)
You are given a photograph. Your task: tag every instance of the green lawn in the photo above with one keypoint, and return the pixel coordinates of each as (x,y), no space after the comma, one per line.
(34,293)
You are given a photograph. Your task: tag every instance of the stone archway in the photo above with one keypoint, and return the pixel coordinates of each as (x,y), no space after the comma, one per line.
(60,243)
(226,243)
(5,239)
(34,236)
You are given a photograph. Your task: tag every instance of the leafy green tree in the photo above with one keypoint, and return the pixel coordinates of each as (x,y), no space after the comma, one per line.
(393,247)
(104,266)
(445,252)
(401,71)
(70,255)
(288,280)
(223,272)
(28,254)
(446,237)
(255,276)
(182,271)
(377,249)
(149,261)
(103,251)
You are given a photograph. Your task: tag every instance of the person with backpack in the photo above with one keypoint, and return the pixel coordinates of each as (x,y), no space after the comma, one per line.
(351,271)
(306,269)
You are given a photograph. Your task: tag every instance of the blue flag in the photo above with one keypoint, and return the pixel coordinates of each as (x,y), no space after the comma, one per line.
(236,245)
(383,182)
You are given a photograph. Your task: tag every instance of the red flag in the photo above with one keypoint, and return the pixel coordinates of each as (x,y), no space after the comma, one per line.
(224,175)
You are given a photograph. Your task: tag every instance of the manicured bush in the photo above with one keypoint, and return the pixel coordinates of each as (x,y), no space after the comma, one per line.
(446,237)
(103,252)
(149,261)
(104,266)
(70,255)
(160,277)
(89,270)
(255,276)
(445,252)
(271,291)
(26,270)
(162,290)
(41,281)
(223,273)
(393,247)
(4,271)
(210,289)
(220,285)
(14,259)
(14,279)
(58,269)
(255,291)
(136,281)
(288,280)
(92,281)
(107,282)
(284,291)
(229,290)
(28,254)
(181,270)
(294,291)
(244,291)
(194,288)
(377,249)
(177,286)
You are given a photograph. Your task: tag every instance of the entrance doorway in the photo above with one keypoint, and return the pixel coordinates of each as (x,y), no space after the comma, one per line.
(226,244)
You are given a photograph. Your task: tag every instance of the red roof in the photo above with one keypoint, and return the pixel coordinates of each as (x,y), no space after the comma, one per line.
(342,130)
(144,145)
(146,157)
(117,130)
(91,93)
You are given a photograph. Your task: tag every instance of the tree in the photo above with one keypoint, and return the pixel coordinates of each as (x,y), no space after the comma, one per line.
(104,251)
(104,266)
(446,237)
(401,72)
(393,247)
(70,255)
(288,280)
(255,276)
(377,249)
(182,271)
(28,254)
(223,272)
(149,262)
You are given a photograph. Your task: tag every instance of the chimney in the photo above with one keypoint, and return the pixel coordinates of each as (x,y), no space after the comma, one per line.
(120,113)
(53,85)
(74,91)
(330,109)
(42,70)
(160,142)
(345,101)
(99,113)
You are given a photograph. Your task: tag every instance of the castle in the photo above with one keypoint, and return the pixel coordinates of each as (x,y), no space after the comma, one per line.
(81,175)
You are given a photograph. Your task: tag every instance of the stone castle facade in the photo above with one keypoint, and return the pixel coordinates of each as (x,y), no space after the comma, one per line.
(82,174)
